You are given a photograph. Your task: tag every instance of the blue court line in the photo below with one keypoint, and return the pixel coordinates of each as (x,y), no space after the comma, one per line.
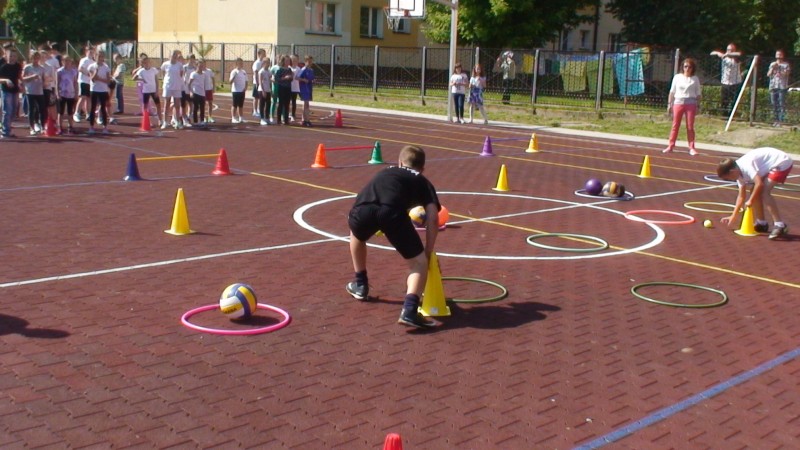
(664,413)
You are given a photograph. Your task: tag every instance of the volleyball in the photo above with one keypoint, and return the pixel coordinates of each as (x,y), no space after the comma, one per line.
(613,189)
(418,216)
(593,186)
(238,301)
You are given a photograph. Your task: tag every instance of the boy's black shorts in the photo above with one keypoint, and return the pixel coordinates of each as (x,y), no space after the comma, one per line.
(366,220)
(238,99)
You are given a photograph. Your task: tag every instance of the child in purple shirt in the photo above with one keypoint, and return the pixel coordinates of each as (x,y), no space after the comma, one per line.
(67,77)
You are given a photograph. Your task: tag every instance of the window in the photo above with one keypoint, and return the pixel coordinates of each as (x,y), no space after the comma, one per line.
(584,40)
(371,22)
(321,17)
(614,42)
(403,26)
(565,40)
(5,30)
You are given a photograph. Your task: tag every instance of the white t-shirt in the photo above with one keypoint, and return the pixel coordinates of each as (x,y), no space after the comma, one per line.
(256,67)
(149,79)
(685,88)
(173,76)
(209,81)
(83,69)
(103,71)
(188,70)
(238,80)
(760,162)
(780,75)
(197,83)
(459,83)
(264,80)
(295,80)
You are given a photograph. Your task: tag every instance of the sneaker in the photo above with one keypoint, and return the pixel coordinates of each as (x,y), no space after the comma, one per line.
(778,232)
(105,131)
(112,121)
(264,122)
(291,118)
(233,120)
(693,152)
(163,125)
(256,114)
(211,120)
(761,227)
(415,319)
(486,122)
(37,128)
(34,132)
(91,131)
(667,150)
(359,292)
(76,118)
(179,125)
(240,120)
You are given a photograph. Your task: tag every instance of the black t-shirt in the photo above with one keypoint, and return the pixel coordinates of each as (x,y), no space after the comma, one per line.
(12,72)
(398,187)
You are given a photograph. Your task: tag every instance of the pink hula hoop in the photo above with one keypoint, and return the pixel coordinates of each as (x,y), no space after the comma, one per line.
(630,215)
(248,332)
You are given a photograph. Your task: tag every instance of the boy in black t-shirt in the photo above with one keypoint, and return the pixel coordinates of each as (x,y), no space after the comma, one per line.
(383,205)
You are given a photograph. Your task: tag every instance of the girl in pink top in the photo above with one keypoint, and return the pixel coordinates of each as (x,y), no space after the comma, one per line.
(684,99)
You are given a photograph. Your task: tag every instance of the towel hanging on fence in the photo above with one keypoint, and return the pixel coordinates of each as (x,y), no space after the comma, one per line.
(592,67)
(630,74)
(573,75)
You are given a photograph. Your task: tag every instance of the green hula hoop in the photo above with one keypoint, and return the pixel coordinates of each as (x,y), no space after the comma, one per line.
(680,305)
(603,243)
(496,298)
(693,205)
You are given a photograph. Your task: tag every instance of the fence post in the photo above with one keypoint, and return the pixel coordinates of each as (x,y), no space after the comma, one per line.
(292,49)
(161,47)
(598,101)
(333,64)
(754,91)
(222,56)
(375,74)
(535,77)
(476,58)
(424,69)
(676,67)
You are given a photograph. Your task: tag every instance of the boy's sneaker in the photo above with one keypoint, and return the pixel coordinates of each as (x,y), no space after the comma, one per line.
(211,120)
(37,128)
(358,291)
(411,318)
(163,125)
(76,118)
(761,227)
(778,232)
(264,122)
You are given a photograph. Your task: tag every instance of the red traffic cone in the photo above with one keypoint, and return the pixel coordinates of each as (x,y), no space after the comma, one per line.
(320,161)
(487,147)
(49,127)
(393,442)
(145,126)
(338,121)
(222,167)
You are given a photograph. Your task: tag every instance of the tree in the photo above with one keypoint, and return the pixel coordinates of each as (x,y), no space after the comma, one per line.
(74,20)
(757,26)
(505,23)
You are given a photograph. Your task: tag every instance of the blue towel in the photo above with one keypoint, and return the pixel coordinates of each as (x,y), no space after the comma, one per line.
(629,72)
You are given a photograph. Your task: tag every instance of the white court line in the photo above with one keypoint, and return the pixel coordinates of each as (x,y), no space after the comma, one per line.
(160,263)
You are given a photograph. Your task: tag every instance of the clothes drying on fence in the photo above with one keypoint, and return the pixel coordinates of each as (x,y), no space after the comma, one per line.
(573,75)
(527,62)
(630,73)
(592,67)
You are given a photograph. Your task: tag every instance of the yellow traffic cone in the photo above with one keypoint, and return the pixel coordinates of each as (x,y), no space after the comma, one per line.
(180,218)
(645,172)
(533,146)
(502,180)
(433,301)
(748,226)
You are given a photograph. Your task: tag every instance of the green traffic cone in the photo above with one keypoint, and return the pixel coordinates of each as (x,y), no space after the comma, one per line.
(377,158)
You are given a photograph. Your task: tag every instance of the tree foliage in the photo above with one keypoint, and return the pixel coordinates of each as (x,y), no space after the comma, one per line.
(757,26)
(504,23)
(74,20)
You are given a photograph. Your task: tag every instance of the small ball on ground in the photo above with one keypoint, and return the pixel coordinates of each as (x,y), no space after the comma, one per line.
(708,224)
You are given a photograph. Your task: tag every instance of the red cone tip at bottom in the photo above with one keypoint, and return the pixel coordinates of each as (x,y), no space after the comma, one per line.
(393,442)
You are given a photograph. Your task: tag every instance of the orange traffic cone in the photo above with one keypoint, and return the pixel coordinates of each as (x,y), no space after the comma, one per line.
(320,162)
(145,126)
(222,167)
(338,121)
(49,127)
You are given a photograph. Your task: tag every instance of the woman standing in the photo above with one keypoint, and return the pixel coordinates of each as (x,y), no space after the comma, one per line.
(458,87)
(684,99)
(477,84)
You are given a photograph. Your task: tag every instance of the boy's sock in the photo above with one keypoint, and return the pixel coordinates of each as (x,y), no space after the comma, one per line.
(410,303)
(361,278)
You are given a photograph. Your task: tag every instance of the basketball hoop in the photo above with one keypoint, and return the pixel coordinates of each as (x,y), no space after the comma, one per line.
(393,16)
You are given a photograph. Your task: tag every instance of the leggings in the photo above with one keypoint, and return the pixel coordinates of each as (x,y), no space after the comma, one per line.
(264,102)
(99,98)
(199,105)
(677,115)
(284,97)
(459,101)
(294,103)
(37,110)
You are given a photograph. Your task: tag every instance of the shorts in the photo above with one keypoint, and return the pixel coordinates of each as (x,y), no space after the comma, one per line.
(238,99)
(146,96)
(50,97)
(256,93)
(209,96)
(172,93)
(779,176)
(85,89)
(366,220)
(186,97)
(66,105)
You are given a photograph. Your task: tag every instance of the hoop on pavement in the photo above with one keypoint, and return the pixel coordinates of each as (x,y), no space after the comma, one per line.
(225,332)
(631,215)
(628,196)
(503,291)
(693,205)
(634,291)
(602,242)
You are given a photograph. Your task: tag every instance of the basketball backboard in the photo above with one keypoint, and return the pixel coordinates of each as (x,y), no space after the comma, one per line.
(412,9)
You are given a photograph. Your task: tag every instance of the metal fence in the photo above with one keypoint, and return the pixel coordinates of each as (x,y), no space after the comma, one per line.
(636,80)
